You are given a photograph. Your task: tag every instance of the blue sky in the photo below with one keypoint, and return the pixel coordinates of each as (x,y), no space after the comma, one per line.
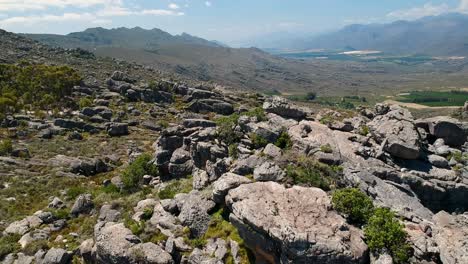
(230,21)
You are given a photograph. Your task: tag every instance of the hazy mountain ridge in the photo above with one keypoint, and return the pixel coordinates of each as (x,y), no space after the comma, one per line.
(444,35)
(137,38)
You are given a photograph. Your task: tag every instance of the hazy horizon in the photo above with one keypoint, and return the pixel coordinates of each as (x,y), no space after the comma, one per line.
(238,23)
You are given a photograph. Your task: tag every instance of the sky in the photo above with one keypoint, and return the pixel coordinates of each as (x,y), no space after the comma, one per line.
(229,21)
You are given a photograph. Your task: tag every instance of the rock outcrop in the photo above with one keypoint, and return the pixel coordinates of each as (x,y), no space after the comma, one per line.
(294,225)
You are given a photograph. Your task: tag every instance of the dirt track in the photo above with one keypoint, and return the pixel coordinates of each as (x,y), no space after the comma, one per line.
(419,106)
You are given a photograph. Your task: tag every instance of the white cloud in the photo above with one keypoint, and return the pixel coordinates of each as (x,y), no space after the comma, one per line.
(31,20)
(110,11)
(208,3)
(160,12)
(23,5)
(419,12)
(173,6)
(463,6)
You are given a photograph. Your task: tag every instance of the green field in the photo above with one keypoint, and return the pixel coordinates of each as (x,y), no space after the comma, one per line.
(432,98)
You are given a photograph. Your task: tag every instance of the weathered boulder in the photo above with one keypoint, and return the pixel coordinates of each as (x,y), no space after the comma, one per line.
(272,151)
(211,105)
(438,161)
(294,225)
(268,171)
(83,205)
(451,235)
(397,132)
(57,256)
(247,165)
(150,253)
(225,183)
(194,211)
(189,123)
(446,128)
(116,244)
(282,107)
(21,227)
(117,129)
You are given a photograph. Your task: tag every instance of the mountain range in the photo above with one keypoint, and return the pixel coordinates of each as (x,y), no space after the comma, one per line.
(444,35)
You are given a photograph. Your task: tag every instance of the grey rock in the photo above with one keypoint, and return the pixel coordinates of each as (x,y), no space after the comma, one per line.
(225,183)
(108,214)
(194,213)
(268,171)
(272,151)
(211,105)
(438,161)
(247,165)
(56,203)
(200,179)
(294,225)
(446,128)
(397,132)
(451,235)
(117,129)
(190,123)
(57,256)
(282,107)
(150,253)
(21,227)
(82,205)
(87,251)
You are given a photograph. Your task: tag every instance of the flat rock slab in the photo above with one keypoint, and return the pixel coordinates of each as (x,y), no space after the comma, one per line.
(295,225)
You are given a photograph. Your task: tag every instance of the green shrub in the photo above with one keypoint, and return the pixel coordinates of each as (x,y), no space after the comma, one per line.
(9,244)
(155,237)
(85,102)
(75,191)
(163,123)
(34,246)
(258,141)
(233,152)
(147,213)
(310,96)
(40,86)
(326,148)
(257,112)
(136,227)
(284,141)
(364,130)
(219,227)
(6,147)
(385,232)
(175,187)
(133,174)
(356,205)
(226,129)
(308,172)
(61,213)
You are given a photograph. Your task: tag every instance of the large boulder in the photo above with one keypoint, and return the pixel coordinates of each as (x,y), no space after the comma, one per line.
(446,128)
(397,133)
(225,183)
(83,205)
(211,105)
(57,256)
(194,212)
(451,235)
(117,129)
(295,225)
(268,171)
(116,244)
(282,107)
